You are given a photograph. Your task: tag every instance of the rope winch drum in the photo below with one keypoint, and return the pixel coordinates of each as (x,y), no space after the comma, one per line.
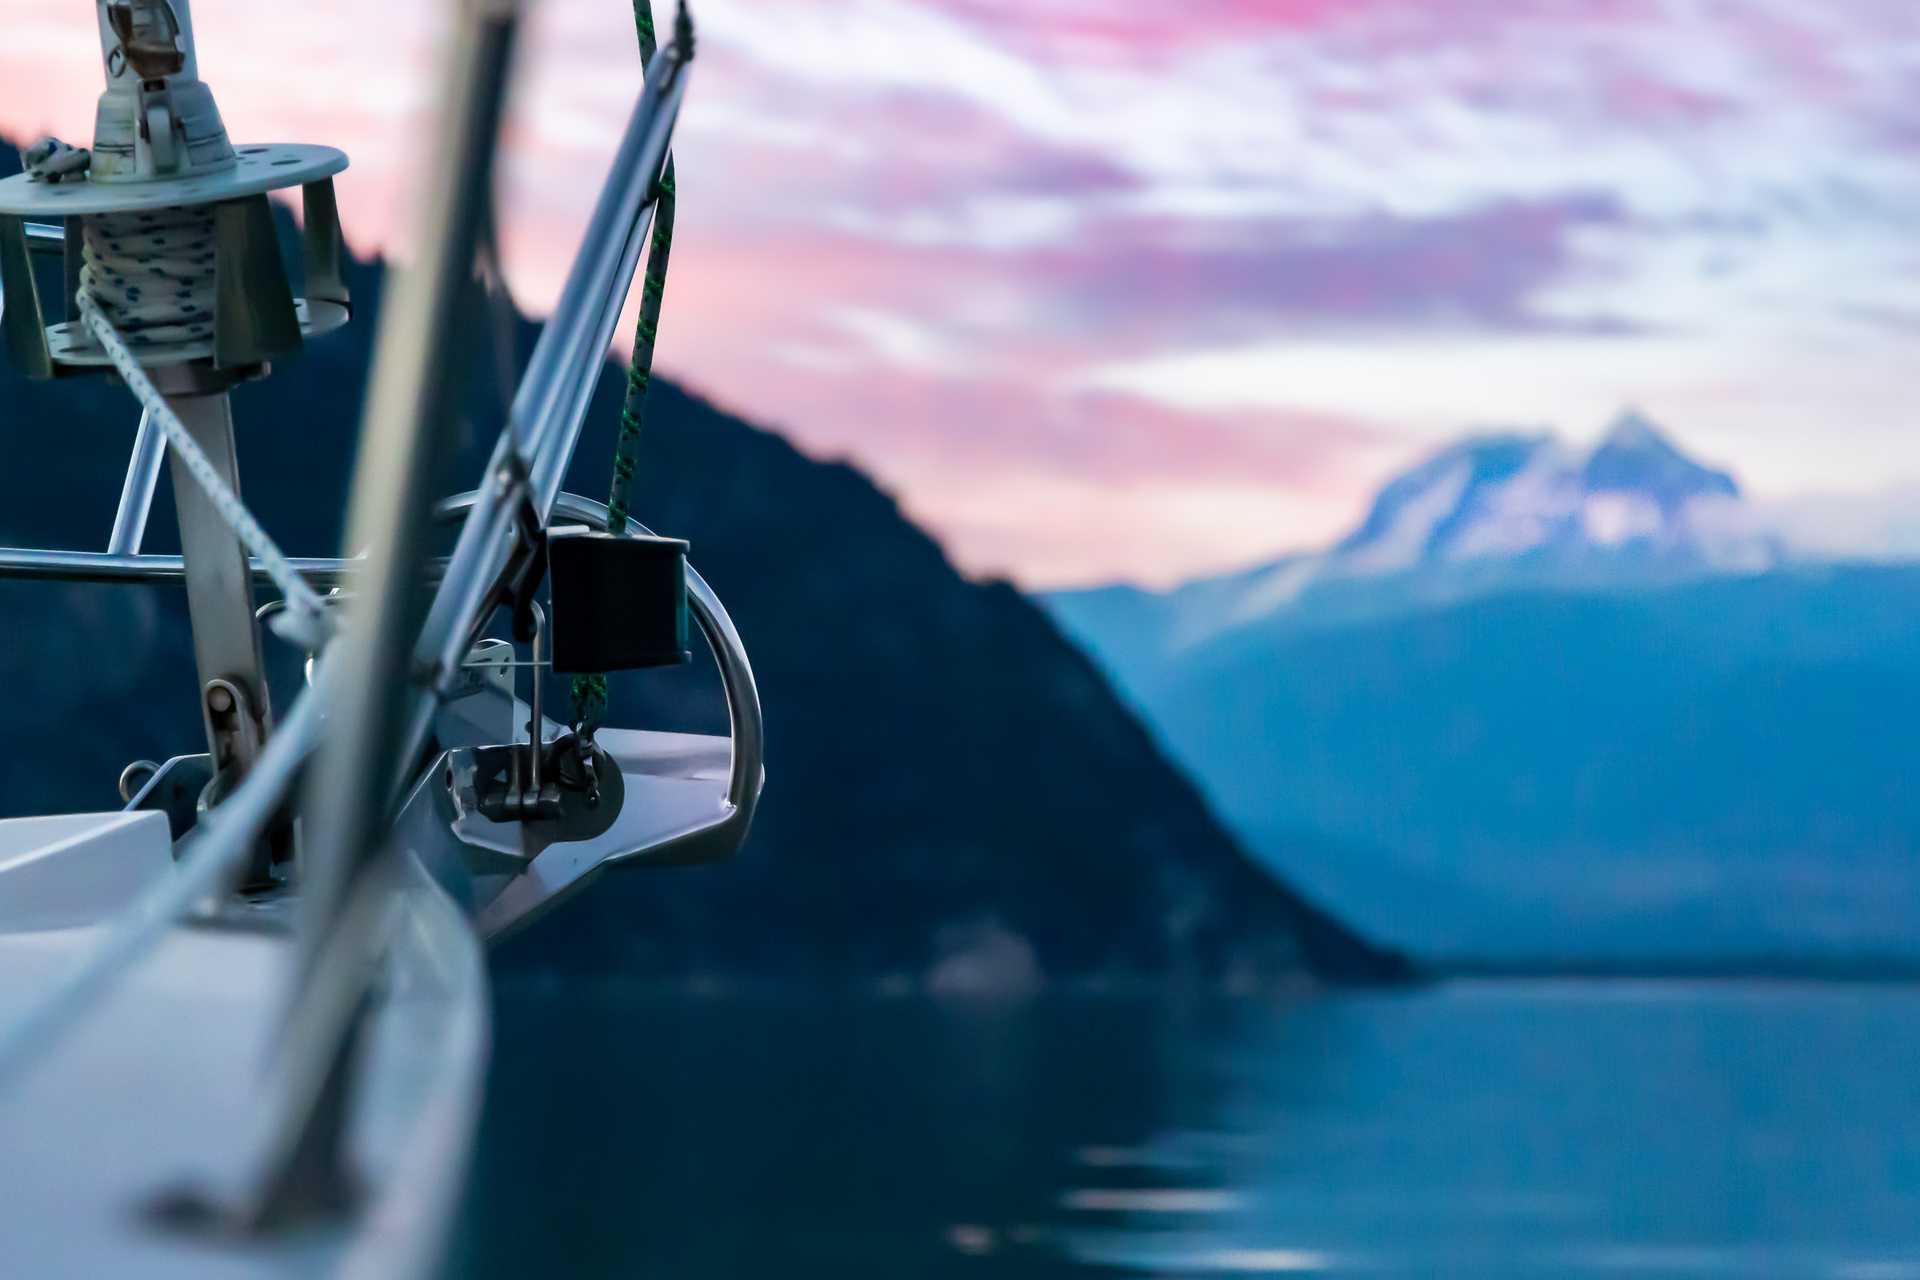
(172,278)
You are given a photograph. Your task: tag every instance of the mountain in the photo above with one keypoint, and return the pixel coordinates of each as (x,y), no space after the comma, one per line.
(1632,497)
(955,795)
(1491,512)
(1490,723)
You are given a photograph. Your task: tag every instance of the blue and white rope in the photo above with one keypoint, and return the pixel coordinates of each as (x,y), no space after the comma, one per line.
(147,278)
(152,273)
(305,621)
(51,160)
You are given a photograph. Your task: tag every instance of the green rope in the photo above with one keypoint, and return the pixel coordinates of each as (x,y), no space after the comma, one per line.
(590,692)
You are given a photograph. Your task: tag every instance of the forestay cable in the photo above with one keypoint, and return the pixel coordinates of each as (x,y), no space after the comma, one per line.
(590,691)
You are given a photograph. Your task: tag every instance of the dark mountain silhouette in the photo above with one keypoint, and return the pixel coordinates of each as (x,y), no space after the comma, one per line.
(954,792)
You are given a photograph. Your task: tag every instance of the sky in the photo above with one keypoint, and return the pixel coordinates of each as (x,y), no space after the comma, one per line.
(1108,289)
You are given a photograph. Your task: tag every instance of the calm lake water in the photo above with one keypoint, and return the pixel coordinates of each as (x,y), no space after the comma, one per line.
(1482,1129)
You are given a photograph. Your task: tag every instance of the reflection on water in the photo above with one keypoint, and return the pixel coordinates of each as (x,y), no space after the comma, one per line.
(1481,1129)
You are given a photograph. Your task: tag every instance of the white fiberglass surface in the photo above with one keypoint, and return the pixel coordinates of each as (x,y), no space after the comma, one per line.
(73,870)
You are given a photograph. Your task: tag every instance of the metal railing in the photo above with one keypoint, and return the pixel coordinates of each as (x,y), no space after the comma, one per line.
(108,566)
(747,728)
(709,614)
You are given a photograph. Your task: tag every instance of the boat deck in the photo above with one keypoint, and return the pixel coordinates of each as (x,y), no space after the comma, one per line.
(155,1090)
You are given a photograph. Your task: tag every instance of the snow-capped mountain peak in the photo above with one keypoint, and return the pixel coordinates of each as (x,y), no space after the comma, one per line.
(1633,430)
(1493,511)
(1534,496)
(1424,511)
(1527,507)
(1635,456)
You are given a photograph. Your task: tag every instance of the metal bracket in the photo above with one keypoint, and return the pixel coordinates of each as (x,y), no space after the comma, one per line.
(322,249)
(233,727)
(526,577)
(253,314)
(23,319)
(226,641)
(234,730)
(538,796)
(136,776)
(173,789)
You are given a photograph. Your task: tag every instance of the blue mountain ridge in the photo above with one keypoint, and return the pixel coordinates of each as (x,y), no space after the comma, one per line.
(1679,743)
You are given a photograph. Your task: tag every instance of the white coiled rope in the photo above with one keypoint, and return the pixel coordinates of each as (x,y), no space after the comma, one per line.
(148,278)
(152,272)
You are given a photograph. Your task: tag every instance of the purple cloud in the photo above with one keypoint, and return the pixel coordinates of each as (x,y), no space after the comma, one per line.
(911,229)
(1478,269)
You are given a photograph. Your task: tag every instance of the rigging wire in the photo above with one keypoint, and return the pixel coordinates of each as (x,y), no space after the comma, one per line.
(590,691)
(305,622)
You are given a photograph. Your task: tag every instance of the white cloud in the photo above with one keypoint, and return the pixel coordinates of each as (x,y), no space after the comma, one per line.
(1884,525)
(1766,251)
(994,223)
(900,340)
(1790,418)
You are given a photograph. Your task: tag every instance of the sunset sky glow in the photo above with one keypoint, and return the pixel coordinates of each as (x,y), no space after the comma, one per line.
(1125,290)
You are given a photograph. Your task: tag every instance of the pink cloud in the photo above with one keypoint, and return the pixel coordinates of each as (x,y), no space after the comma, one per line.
(1092,27)
(913,263)
(1083,487)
